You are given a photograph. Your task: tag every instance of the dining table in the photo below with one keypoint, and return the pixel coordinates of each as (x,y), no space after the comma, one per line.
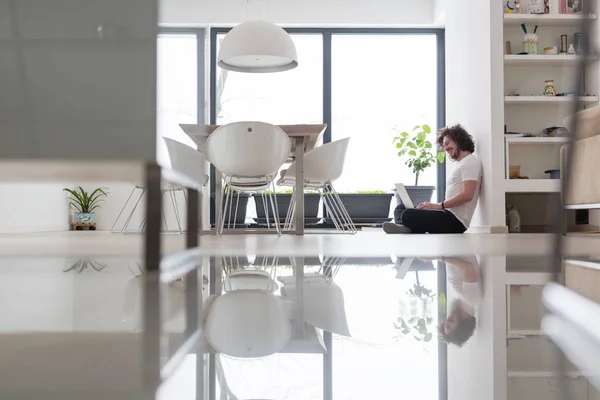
(304,137)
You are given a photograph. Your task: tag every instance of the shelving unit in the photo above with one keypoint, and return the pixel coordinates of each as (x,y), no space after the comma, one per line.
(548,100)
(547,19)
(530,112)
(542,59)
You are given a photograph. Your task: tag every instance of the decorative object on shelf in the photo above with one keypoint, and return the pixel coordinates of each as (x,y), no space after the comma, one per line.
(554,173)
(513,219)
(549,89)
(530,41)
(571,50)
(537,7)
(575,6)
(554,6)
(257,46)
(420,155)
(514,171)
(555,131)
(512,7)
(84,204)
(507,48)
(563,44)
(577,43)
(551,51)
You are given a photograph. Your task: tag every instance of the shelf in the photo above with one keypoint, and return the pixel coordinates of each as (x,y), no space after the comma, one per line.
(547,19)
(537,140)
(532,185)
(542,374)
(547,99)
(543,59)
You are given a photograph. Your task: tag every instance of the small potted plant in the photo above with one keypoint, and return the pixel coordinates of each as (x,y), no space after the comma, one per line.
(284,197)
(84,204)
(366,206)
(420,154)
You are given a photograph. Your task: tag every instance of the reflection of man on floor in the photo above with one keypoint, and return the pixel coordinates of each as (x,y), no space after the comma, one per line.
(454,214)
(464,284)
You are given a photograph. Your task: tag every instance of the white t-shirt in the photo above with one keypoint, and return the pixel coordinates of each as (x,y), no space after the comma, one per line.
(468,169)
(471,293)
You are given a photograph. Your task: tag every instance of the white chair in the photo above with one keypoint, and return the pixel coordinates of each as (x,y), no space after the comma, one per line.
(322,166)
(249,155)
(183,158)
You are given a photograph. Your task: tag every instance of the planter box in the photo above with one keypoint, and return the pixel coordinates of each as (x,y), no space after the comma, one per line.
(85,218)
(240,217)
(311,207)
(366,208)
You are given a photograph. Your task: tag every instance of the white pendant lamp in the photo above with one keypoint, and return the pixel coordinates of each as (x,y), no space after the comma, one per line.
(257,47)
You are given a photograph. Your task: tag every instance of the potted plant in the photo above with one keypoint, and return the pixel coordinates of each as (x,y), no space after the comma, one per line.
(420,154)
(366,206)
(84,204)
(284,197)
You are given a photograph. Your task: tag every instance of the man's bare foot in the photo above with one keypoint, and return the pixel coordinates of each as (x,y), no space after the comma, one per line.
(390,227)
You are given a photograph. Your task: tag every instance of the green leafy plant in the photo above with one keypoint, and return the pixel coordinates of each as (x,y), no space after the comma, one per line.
(418,149)
(84,202)
(370,192)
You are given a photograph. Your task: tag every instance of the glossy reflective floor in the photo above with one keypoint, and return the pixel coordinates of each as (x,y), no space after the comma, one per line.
(379,326)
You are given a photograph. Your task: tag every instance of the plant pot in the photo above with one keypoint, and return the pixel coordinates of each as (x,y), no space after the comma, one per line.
(240,217)
(418,194)
(366,208)
(85,218)
(311,207)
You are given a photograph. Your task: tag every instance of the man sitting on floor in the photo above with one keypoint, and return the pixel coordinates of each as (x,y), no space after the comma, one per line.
(454,214)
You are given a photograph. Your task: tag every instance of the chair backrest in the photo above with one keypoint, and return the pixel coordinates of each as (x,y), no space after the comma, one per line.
(248,149)
(186,160)
(323,163)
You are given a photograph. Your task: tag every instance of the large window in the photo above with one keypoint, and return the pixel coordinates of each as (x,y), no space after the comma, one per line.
(290,97)
(361,82)
(377,82)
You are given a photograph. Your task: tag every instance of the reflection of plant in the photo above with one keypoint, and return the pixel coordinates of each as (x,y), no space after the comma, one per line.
(83,263)
(420,323)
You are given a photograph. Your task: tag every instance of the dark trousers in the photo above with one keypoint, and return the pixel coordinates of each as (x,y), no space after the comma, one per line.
(428,221)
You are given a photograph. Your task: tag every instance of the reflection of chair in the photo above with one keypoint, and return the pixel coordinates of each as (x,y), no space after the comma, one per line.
(248,154)
(322,166)
(247,323)
(323,300)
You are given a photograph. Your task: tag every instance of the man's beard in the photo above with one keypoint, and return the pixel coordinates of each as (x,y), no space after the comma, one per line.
(455,154)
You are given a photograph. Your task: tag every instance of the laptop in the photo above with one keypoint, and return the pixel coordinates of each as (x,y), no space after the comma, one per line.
(401,194)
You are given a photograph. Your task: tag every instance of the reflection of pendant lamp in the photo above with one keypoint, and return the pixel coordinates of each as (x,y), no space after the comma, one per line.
(257,46)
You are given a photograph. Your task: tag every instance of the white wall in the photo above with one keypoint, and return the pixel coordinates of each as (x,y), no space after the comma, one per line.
(305,12)
(474,94)
(32,208)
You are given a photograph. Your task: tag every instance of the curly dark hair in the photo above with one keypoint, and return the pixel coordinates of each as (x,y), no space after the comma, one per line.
(462,333)
(459,135)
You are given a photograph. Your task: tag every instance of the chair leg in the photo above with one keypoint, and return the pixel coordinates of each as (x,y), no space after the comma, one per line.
(331,209)
(221,209)
(273,199)
(346,220)
(173,195)
(289,218)
(133,210)
(266,207)
(122,209)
